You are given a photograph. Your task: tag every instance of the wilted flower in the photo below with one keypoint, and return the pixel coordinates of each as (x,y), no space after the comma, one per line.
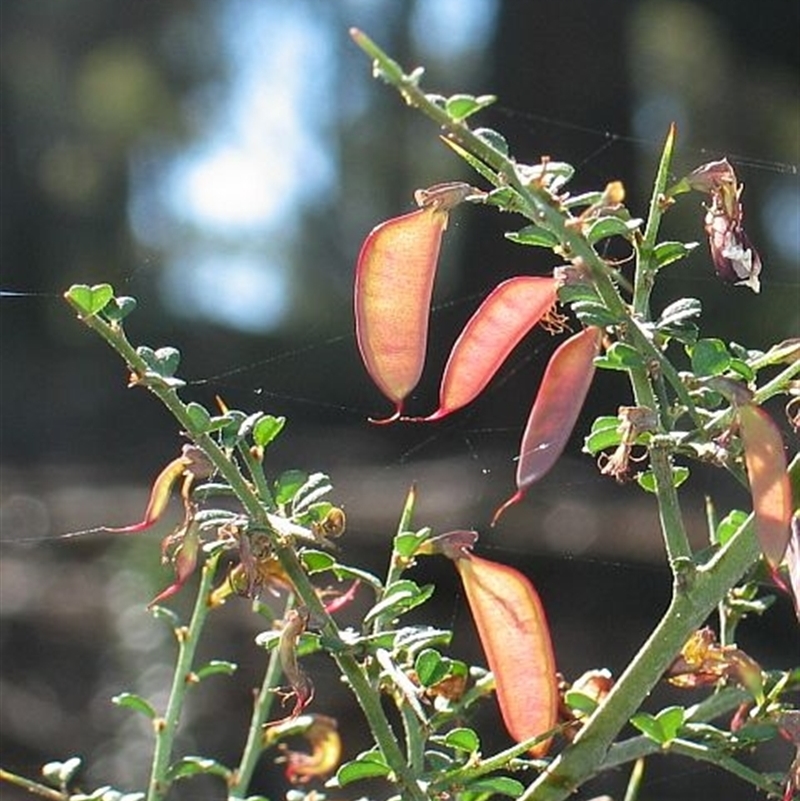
(735,259)
(704,661)
(322,734)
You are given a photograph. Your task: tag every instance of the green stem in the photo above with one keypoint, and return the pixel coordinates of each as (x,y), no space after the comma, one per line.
(687,611)
(714,706)
(262,705)
(166,728)
(675,538)
(645,267)
(415,738)
(32,787)
(635,780)
(726,762)
(778,384)
(367,695)
(256,472)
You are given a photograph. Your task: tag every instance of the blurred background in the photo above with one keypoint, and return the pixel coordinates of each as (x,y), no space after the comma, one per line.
(222,162)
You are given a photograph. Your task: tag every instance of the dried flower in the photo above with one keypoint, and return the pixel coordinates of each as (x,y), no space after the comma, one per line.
(735,259)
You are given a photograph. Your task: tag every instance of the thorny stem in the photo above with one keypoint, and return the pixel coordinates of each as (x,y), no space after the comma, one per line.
(721,703)
(35,788)
(679,551)
(262,704)
(645,267)
(722,760)
(585,756)
(166,728)
(693,599)
(367,695)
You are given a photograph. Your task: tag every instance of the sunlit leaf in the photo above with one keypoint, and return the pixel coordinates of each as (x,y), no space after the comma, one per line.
(267,429)
(665,253)
(709,357)
(136,703)
(195,765)
(463,739)
(90,299)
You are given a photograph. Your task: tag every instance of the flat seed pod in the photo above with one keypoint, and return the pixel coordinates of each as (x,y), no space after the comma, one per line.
(507,314)
(558,403)
(769,481)
(393,287)
(516,641)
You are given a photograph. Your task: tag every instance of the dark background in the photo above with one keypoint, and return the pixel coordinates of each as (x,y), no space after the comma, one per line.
(100,103)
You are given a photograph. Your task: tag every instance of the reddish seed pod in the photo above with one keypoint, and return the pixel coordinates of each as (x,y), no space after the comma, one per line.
(558,403)
(393,286)
(508,313)
(769,481)
(515,638)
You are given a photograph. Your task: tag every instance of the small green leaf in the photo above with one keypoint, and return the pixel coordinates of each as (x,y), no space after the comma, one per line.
(288,484)
(200,417)
(604,434)
(504,198)
(573,293)
(620,356)
(216,667)
(710,357)
(729,525)
(368,765)
(606,227)
(407,542)
(430,667)
(743,369)
(665,253)
(438,762)
(671,720)
(493,139)
(343,572)
(90,299)
(459,107)
(680,311)
(533,235)
(307,643)
(267,429)
(136,703)
(400,597)
(310,491)
(757,732)
(498,785)
(580,702)
(119,308)
(591,313)
(316,561)
(462,739)
(195,765)
(649,726)
(163,362)
(647,481)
